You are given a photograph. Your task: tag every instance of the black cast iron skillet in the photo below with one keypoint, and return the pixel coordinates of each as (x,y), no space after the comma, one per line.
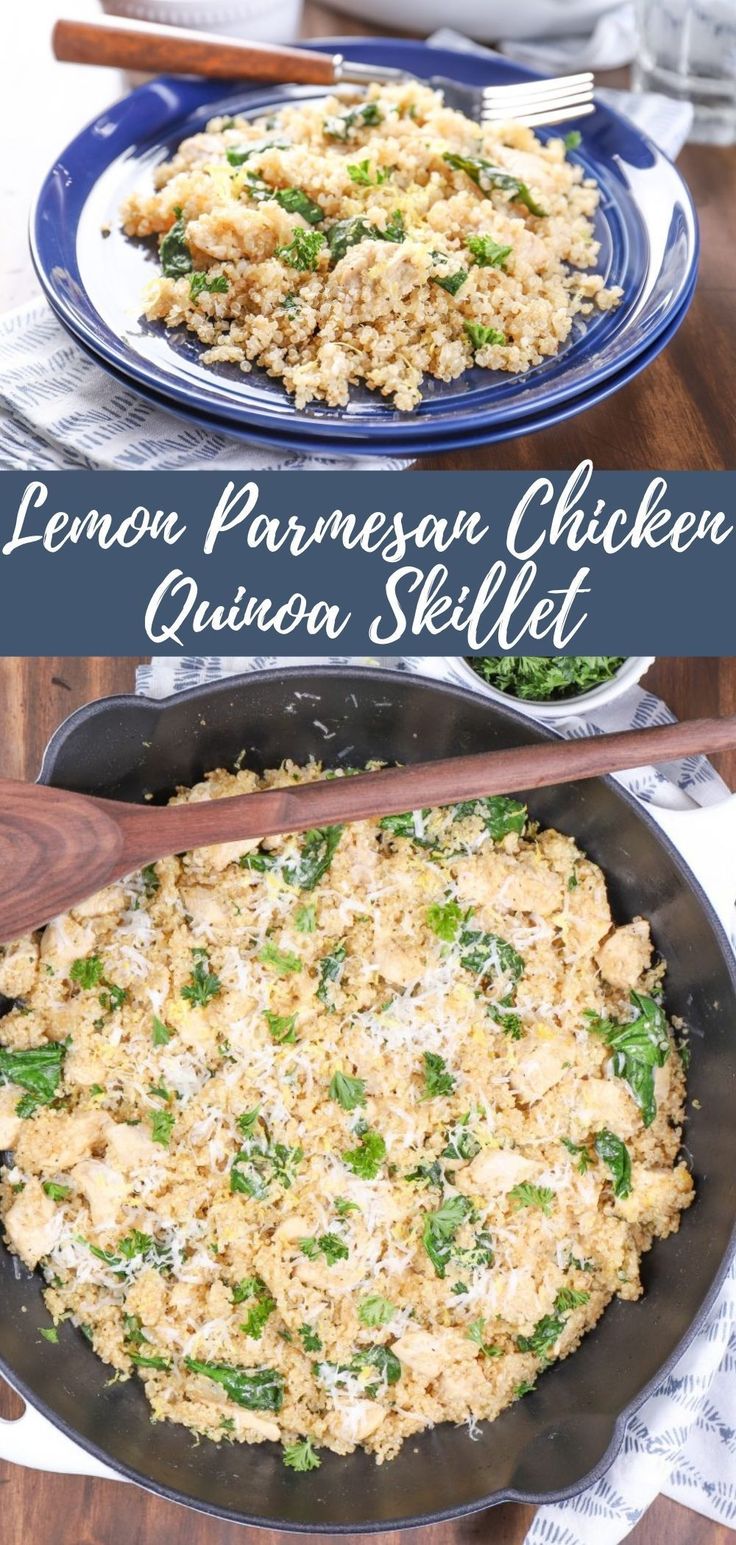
(562,1436)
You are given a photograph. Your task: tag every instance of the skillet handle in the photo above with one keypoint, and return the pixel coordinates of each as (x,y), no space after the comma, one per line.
(34,1442)
(706,839)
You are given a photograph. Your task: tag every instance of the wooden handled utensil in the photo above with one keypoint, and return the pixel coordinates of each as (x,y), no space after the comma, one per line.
(56,847)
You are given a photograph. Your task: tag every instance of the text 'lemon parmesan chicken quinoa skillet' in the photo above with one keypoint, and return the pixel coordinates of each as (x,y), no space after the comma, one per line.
(375,243)
(336,1137)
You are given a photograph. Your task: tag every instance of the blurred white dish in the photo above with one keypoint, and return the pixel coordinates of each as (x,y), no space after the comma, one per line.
(265,21)
(486,20)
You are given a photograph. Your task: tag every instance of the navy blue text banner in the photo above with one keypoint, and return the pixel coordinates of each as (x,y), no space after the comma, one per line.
(450,563)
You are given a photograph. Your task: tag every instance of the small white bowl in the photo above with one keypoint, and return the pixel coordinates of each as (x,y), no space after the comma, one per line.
(263,21)
(627,676)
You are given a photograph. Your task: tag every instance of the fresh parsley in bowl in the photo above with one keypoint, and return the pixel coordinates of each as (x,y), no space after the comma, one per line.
(552,687)
(545,678)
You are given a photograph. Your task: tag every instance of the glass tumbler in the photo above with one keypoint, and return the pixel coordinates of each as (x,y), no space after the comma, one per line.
(687,50)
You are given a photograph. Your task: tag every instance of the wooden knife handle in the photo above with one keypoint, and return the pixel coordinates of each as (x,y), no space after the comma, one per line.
(159,50)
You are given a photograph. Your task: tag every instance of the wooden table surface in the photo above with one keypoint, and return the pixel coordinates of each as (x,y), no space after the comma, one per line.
(677,415)
(54,1510)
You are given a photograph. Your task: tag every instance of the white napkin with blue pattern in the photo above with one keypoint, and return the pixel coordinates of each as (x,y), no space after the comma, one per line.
(682,1440)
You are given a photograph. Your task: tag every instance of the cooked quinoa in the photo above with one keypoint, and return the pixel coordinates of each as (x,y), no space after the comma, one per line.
(341,1136)
(378,242)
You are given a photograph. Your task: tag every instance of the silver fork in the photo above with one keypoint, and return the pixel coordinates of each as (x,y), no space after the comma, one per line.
(147,46)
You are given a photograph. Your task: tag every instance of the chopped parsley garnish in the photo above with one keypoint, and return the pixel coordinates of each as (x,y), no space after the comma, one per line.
(487,252)
(450,282)
(162,1126)
(444,919)
(281,1028)
(260,1312)
(302,252)
(37,1070)
(347,1091)
(141,1360)
(49,1332)
(291,304)
(309,1339)
(572,139)
(437,1081)
(283,962)
(318,850)
(160,1034)
(151,882)
(487,177)
(260,1162)
(394,229)
(219,284)
(428,1175)
(257,1389)
(343,1207)
(461,1144)
(360,173)
(544,1337)
(305,918)
(375,1310)
(407,825)
(616,1155)
(176,259)
(366,1160)
(578,1151)
(203,984)
(55,1191)
(568,1299)
(638,1048)
(331,1246)
(349,233)
(381,1359)
(528,1195)
(537,678)
(480,336)
(136,1246)
(301,1456)
(476,1334)
(87,973)
(330,970)
(440,1228)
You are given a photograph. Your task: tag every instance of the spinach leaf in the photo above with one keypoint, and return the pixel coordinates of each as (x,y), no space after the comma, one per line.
(219,284)
(295,202)
(638,1048)
(37,1070)
(450,282)
(499,813)
(616,1155)
(330,970)
(342,125)
(257,1389)
(239,157)
(318,850)
(176,259)
(486,176)
(461,1143)
(488,955)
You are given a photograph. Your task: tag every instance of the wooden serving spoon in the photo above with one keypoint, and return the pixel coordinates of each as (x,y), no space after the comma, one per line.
(56,847)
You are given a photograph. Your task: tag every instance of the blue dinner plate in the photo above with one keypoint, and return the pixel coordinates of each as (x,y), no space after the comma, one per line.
(646,225)
(291,442)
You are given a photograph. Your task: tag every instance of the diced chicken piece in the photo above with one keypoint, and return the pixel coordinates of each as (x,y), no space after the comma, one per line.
(397,964)
(291,1229)
(32,1224)
(203,904)
(426,1353)
(64,941)
(656,1196)
(130,1147)
(587,913)
(605,1102)
(249,1421)
(82,1069)
(236,231)
(55,1140)
(495,1171)
(626,954)
(10,1124)
(539,1070)
(104,1188)
(102,904)
(18,964)
(531,888)
(223,853)
(358,1420)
